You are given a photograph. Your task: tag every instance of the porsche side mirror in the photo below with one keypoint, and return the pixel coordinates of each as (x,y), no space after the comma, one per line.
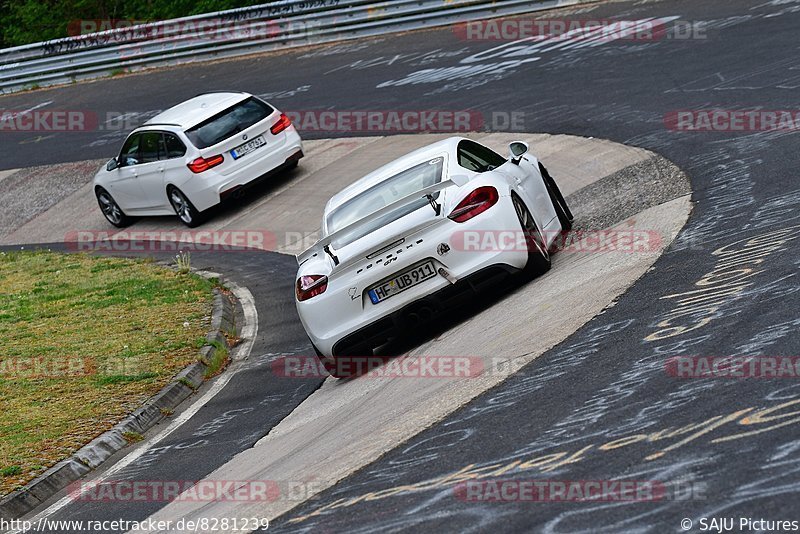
(517,149)
(112,164)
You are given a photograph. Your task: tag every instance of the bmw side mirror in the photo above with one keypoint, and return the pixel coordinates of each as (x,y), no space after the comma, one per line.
(517,149)
(112,164)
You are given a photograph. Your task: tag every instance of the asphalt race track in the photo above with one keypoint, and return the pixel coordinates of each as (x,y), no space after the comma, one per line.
(604,181)
(600,405)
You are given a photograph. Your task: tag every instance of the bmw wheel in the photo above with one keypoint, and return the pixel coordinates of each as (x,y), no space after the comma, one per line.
(183,207)
(111,210)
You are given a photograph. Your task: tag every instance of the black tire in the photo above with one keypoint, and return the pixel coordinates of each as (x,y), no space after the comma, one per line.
(538,256)
(563,212)
(111,210)
(184,208)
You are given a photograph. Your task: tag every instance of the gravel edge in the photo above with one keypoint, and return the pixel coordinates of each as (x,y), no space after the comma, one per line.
(631,190)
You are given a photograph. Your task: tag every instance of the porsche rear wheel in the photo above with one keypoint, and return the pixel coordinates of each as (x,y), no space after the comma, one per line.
(538,256)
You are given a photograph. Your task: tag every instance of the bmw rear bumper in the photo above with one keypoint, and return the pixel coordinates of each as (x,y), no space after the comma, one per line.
(218,187)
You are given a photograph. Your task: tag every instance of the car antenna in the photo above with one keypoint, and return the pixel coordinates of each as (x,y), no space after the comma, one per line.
(327,249)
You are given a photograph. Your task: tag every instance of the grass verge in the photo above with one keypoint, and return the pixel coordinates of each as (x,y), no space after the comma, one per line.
(86,340)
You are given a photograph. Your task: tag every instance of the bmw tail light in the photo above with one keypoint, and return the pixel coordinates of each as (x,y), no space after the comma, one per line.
(283,123)
(310,286)
(203,164)
(475,203)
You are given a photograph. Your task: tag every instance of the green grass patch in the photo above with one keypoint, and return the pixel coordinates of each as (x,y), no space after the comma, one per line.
(217,359)
(10,471)
(86,340)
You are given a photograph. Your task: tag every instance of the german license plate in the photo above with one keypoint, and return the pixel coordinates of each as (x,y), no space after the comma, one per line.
(401,282)
(248,147)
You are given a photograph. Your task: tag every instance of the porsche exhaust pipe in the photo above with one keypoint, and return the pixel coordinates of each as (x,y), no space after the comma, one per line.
(418,317)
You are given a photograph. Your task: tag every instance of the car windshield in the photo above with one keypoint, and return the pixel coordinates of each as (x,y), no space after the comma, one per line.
(230,122)
(388,191)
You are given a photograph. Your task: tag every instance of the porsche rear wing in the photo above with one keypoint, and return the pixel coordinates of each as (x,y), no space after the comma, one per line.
(319,246)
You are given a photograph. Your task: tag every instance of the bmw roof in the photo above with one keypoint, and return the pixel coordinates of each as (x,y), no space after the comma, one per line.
(197,109)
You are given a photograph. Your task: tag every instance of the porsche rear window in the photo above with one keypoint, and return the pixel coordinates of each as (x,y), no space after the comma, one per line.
(388,191)
(229,122)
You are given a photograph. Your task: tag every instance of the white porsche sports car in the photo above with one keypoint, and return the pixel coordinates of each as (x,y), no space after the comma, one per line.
(417,235)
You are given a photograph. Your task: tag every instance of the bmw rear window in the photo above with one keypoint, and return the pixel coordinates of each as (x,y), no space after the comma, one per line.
(229,122)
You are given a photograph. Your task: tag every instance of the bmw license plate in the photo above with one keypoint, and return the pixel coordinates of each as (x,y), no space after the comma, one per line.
(401,282)
(248,147)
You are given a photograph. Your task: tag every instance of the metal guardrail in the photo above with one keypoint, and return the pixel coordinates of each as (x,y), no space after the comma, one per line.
(237,32)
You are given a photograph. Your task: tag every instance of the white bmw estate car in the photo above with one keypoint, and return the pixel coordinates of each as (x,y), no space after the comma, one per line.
(192,156)
(415,236)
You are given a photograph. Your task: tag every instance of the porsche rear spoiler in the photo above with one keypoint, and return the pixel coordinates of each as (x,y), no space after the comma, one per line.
(325,242)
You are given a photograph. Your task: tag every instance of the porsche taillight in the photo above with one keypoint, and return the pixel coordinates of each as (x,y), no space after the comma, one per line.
(475,203)
(310,286)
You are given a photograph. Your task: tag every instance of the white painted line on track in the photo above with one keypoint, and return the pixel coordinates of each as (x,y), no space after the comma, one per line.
(34,108)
